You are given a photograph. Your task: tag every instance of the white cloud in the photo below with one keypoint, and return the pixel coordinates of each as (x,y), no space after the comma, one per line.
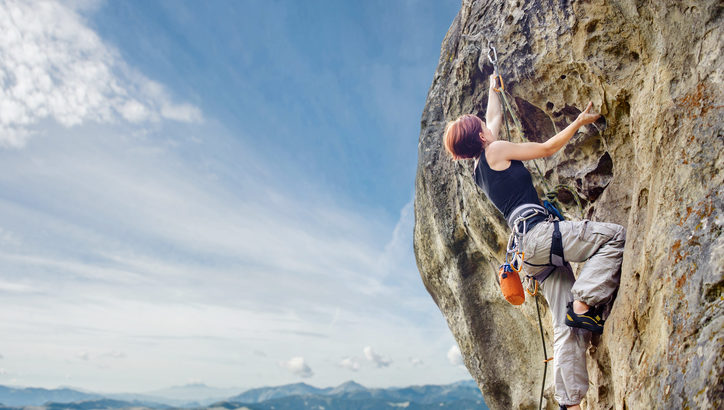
(454,356)
(8,238)
(400,244)
(349,363)
(134,111)
(114,354)
(298,367)
(415,361)
(84,355)
(53,66)
(181,112)
(3,372)
(377,359)
(14,287)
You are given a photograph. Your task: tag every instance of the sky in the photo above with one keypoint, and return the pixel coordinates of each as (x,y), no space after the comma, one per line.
(215,192)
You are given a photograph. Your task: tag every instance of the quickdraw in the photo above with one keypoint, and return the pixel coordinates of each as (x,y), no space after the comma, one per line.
(494,61)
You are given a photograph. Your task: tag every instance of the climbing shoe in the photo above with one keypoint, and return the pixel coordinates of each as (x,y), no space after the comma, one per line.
(590,320)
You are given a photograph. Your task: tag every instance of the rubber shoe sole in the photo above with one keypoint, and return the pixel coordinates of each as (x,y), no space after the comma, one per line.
(591,320)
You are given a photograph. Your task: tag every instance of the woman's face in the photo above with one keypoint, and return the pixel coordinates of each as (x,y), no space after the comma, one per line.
(485,134)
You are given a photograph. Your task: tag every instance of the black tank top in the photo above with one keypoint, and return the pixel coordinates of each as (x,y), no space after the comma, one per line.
(507,189)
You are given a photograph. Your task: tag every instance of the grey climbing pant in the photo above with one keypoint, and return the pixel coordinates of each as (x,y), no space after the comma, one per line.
(598,244)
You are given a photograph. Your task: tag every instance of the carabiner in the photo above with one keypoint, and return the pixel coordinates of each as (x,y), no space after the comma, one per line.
(493,61)
(517,261)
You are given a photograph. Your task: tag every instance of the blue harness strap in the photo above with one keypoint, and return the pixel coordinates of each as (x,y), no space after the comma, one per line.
(548,205)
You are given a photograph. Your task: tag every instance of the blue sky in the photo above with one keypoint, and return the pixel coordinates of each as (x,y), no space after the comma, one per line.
(215,192)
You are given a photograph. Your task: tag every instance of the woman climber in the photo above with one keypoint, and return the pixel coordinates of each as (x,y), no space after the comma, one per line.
(576,304)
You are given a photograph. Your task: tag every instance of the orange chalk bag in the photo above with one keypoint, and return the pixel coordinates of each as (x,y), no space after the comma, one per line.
(510,283)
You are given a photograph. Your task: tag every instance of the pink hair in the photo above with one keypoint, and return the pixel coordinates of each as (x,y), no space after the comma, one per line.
(462,137)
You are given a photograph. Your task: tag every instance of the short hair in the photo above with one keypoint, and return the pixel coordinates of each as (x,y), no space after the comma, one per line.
(462,137)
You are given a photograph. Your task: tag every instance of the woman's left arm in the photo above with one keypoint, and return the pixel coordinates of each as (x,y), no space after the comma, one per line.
(500,152)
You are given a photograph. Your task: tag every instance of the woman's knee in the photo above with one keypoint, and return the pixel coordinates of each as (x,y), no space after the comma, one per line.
(622,233)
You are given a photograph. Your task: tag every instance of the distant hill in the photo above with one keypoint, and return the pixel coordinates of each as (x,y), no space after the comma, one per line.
(31,396)
(194,392)
(354,391)
(316,402)
(268,393)
(103,404)
(347,388)
(354,396)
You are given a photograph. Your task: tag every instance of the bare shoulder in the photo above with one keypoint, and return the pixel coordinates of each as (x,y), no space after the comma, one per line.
(496,147)
(495,154)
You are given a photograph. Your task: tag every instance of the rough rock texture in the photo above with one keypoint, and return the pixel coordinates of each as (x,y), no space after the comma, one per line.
(654,70)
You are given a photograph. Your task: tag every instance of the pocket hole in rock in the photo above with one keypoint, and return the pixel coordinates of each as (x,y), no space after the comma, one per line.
(536,124)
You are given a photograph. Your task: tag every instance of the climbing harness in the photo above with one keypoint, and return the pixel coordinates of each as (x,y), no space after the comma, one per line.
(520,221)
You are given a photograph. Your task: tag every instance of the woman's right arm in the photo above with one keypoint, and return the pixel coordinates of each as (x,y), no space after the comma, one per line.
(507,151)
(494,113)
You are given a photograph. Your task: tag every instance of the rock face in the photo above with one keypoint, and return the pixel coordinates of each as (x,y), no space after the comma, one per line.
(654,70)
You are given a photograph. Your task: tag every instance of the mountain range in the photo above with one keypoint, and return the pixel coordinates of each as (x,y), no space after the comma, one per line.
(299,396)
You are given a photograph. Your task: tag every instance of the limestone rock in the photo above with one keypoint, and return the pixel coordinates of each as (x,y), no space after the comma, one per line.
(654,70)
